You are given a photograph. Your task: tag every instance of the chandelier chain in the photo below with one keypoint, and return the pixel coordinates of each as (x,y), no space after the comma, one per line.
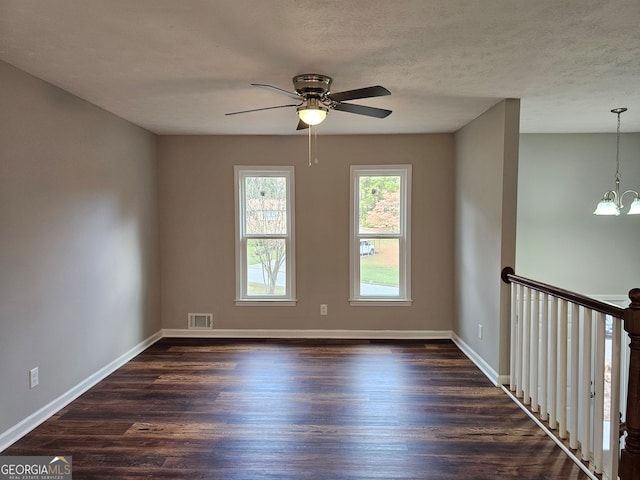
(618,149)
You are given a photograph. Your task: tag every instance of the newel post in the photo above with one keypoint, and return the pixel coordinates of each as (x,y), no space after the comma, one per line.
(630,456)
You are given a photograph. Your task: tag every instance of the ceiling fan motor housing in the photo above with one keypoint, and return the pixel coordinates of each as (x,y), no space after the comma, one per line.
(312,84)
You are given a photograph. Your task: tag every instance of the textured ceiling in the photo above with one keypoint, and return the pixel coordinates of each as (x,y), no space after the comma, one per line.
(176,66)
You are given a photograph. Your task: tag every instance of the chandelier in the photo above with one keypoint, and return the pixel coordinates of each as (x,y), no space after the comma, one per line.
(611,202)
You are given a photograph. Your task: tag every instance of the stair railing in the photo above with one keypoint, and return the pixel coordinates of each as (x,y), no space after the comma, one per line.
(566,369)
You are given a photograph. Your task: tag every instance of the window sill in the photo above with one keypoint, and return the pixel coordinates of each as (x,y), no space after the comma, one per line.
(266,303)
(380,302)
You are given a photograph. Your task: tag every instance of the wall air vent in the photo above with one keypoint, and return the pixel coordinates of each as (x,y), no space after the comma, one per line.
(200,321)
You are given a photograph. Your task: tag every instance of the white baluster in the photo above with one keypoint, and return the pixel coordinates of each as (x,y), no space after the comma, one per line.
(544,340)
(526,348)
(598,405)
(574,379)
(519,369)
(514,337)
(553,363)
(535,346)
(614,408)
(585,394)
(562,370)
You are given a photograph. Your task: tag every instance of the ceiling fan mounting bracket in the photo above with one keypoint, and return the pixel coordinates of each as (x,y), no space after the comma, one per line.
(312,84)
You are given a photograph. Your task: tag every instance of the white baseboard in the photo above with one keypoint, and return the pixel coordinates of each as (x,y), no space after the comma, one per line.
(484,367)
(329,334)
(16,432)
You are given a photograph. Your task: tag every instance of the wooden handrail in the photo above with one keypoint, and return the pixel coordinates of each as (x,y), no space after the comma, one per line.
(509,276)
(630,455)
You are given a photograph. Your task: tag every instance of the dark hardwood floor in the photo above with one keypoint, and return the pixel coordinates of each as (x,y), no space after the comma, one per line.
(303,410)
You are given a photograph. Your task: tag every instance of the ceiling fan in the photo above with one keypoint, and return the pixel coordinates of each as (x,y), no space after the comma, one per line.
(312,92)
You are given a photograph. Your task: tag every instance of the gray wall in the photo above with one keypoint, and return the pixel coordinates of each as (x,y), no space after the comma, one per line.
(486,180)
(78,241)
(197,230)
(562,178)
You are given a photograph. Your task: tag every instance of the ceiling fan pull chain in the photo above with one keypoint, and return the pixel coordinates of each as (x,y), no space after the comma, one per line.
(315,146)
(309,145)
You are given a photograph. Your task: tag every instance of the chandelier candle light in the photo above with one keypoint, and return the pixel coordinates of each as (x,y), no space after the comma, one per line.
(611,202)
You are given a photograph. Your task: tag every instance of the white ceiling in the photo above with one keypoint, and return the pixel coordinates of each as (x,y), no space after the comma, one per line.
(176,66)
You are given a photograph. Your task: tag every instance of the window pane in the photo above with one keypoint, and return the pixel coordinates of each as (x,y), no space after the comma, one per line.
(379,204)
(380,267)
(266,268)
(266,205)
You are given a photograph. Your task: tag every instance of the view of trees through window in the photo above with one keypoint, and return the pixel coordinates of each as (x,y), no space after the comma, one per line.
(380,204)
(265,228)
(379,226)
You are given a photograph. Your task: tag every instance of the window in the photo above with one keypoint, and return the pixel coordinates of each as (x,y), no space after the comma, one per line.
(264,234)
(380,246)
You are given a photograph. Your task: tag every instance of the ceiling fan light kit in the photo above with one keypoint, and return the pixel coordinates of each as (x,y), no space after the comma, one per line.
(312,113)
(611,203)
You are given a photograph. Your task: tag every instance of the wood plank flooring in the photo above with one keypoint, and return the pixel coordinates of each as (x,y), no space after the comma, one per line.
(298,410)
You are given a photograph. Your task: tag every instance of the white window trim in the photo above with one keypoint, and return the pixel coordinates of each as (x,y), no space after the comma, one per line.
(404,297)
(242,299)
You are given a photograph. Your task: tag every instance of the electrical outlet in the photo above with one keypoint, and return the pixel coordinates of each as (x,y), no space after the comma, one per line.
(480,328)
(33,378)
(323,309)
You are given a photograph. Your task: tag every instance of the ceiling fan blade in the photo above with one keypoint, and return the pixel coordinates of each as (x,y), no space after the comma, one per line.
(271,88)
(367,92)
(362,110)
(302,125)
(260,109)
